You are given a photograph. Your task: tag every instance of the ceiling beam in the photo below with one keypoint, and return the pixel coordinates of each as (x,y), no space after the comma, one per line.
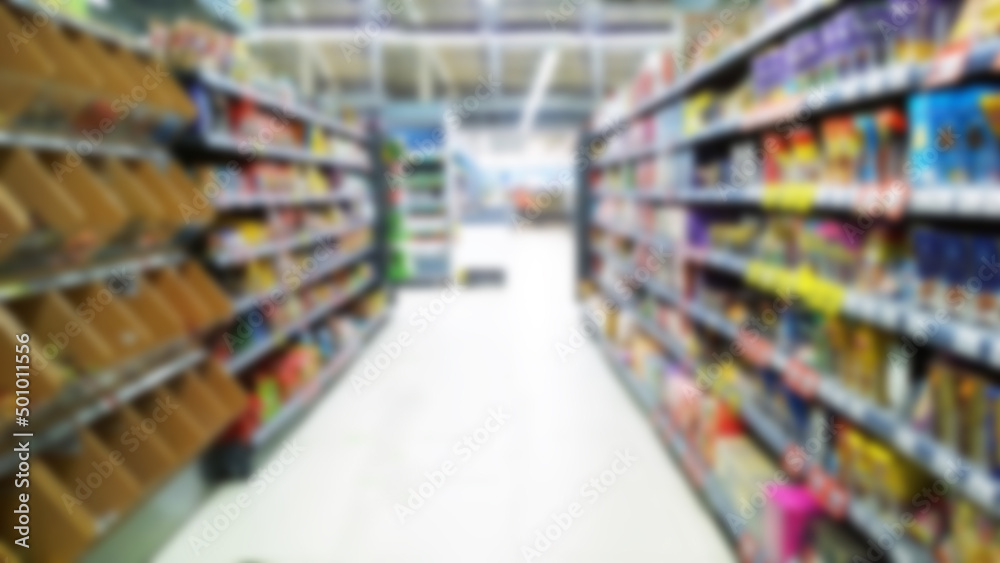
(423,37)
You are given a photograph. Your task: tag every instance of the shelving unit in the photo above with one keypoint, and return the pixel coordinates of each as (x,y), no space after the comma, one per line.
(692,304)
(344,255)
(110,261)
(422,219)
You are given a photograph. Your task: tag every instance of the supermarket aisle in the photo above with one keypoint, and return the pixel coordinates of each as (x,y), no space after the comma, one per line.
(483,372)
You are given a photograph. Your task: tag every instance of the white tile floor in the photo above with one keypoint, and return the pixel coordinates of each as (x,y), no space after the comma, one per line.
(363,451)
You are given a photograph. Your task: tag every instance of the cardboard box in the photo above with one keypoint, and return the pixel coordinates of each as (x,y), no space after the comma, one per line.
(114,320)
(224,388)
(31,183)
(106,215)
(198,208)
(218,303)
(141,204)
(176,422)
(146,453)
(156,312)
(183,298)
(209,410)
(114,489)
(46,379)
(57,328)
(56,533)
(25,69)
(14,220)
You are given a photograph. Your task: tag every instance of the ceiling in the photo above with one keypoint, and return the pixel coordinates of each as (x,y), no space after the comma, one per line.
(368,52)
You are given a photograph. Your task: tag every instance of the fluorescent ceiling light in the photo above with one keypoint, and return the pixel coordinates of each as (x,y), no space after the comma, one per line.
(539,87)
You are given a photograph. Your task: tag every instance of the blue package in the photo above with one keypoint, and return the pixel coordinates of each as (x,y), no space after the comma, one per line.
(979,140)
(868,166)
(947,122)
(922,164)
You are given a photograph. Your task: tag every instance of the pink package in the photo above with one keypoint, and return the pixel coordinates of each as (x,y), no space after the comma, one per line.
(788,516)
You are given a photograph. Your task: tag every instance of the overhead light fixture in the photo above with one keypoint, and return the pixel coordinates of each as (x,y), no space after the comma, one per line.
(540,85)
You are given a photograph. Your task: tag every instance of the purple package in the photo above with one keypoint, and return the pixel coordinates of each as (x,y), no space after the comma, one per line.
(804,53)
(920,27)
(698,230)
(836,38)
(870,43)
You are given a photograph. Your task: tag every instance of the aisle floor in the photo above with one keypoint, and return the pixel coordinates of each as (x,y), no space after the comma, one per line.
(540,427)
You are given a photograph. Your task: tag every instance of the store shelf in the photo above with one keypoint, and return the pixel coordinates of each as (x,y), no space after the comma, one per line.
(301,240)
(246,358)
(961,338)
(32,283)
(263,200)
(966,201)
(775,27)
(249,302)
(636,235)
(104,392)
(293,110)
(80,146)
(778,441)
(974,482)
(311,390)
(97,31)
(223,144)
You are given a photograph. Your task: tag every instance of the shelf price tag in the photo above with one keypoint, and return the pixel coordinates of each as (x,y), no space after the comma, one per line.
(949,65)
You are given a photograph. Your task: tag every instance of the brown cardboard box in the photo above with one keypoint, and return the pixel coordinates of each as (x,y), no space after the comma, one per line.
(96,476)
(158,186)
(55,325)
(221,309)
(114,320)
(130,190)
(177,424)
(7,553)
(73,70)
(225,388)
(14,220)
(155,311)
(185,300)
(106,215)
(25,68)
(165,95)
(57,534)
(208,409)
(46,379)
(147,455)
(197,207)
(115,83)
(31,183)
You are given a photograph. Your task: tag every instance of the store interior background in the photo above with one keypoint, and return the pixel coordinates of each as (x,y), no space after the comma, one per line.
(379,281)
